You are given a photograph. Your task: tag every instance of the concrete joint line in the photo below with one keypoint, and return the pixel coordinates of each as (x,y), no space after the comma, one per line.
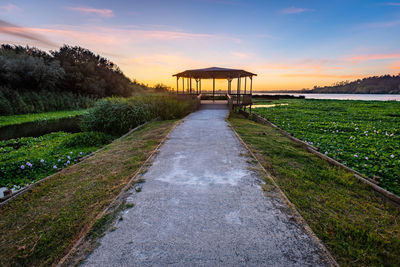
(297,216)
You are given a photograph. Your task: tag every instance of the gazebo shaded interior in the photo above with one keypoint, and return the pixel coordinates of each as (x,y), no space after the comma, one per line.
(214,73)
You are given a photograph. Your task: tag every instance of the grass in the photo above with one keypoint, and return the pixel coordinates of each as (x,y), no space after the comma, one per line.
(39,227)
(364,135)
(357,226)
(34,117)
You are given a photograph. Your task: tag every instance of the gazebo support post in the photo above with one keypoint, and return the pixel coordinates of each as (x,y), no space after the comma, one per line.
(177,85)
(245,84)
(190,85)
(200,85)
(183,85)
(251,85)
(213,89)
(238,91)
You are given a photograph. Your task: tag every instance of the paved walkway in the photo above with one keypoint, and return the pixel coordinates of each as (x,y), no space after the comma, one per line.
(202,204)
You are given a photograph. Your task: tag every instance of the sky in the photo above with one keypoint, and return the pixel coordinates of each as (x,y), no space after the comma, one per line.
(288,44)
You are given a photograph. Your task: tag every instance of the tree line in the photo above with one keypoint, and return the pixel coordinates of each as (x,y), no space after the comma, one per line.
(32,80)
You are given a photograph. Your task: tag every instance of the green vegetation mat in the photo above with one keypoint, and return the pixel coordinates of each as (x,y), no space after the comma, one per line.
(38,227)
(364,135)
(28,159)
(358,227)
(18,119)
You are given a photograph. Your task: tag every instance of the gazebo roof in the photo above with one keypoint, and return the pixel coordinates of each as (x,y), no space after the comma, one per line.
(214,72)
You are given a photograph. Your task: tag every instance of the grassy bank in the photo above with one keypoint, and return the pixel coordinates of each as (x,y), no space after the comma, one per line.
(34,117)
(357,226)
(364,135)
(38,227)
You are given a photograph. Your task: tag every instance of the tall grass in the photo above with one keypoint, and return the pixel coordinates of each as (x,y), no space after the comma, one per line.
(13,102)
(117,116)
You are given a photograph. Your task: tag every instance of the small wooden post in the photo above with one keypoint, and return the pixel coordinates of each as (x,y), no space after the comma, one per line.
(187,81)
(177,85)
(245,84)
(213,89)
(183,85)
(200,85)
(190,85)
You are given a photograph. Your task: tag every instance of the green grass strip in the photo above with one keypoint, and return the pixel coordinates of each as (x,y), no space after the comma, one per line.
(18,119)
(39,227)
(357,225)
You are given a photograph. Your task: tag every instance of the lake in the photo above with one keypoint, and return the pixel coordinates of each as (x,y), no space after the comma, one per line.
(379,97)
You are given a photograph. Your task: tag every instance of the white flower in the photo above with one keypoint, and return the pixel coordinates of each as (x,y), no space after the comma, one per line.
(355,156)
(68,157)
(70,152)
(365,165)
(55,167)
(391,134)
(59,160)
(326,152)
(22,167)
(392,156)
(42,160)
(68,162)
(366,158)
(80,153)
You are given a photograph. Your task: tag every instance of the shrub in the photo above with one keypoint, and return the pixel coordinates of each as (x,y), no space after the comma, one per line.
(117,115)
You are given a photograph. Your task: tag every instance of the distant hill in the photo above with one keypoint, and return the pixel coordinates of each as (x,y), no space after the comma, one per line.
(385,84)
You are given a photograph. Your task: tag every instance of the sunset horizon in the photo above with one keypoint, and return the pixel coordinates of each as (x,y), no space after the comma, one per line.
(290,45)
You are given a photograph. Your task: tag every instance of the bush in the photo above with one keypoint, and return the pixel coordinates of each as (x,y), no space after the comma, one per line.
(117,116)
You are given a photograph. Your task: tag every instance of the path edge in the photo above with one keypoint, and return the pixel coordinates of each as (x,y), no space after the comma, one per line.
(117,201)
(292,207)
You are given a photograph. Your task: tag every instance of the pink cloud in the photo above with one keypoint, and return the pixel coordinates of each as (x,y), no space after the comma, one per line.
(367,57)
(8,8)
(107,13)
(294,10)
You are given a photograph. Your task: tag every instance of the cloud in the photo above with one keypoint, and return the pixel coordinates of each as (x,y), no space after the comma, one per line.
(382,24)
(24,33)
(8,8)
(295,10)
(392,4)
(324,75)
(368,57)
(107,13)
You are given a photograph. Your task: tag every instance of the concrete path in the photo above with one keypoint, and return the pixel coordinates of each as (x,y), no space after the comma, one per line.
(202,205)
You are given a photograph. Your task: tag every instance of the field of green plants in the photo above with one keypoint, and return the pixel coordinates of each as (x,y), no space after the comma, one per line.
(364,135)
(28,159)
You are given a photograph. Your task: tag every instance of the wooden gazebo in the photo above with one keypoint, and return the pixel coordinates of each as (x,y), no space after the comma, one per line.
(215,73)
